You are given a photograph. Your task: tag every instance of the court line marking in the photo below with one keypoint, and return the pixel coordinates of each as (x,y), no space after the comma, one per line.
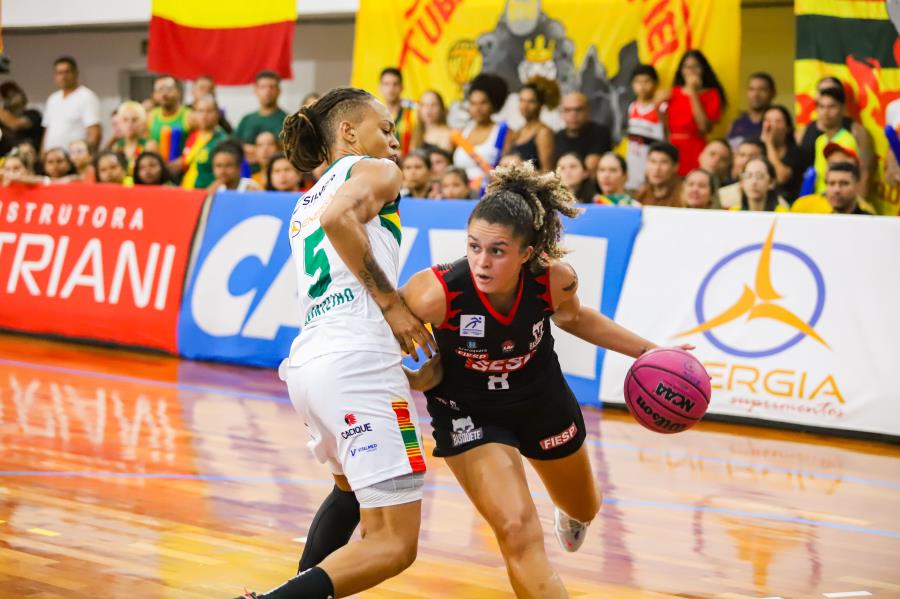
(596,442)
(455,489)
(848,594)
(44,532)
(878,584)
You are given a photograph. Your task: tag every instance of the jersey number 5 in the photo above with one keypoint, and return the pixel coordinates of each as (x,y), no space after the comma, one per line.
(316,261)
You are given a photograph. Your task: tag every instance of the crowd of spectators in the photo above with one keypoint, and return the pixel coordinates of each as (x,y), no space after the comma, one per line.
(665,159)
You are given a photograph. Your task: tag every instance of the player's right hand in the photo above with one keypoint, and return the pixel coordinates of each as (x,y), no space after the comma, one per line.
(409,330)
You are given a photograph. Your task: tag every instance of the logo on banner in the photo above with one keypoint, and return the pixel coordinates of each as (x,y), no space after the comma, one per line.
(760,301)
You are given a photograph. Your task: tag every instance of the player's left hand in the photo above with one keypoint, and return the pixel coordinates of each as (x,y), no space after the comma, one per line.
(428,376)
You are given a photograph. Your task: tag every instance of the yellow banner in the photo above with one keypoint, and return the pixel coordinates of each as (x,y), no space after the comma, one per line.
(587,46)
(224,14)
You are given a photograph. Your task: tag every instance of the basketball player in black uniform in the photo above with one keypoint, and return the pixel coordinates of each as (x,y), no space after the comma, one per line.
(502,394)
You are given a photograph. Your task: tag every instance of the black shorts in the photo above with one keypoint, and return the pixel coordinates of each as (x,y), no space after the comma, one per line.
(547,427)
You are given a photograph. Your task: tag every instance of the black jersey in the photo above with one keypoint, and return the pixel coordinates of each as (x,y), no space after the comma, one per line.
(491,359)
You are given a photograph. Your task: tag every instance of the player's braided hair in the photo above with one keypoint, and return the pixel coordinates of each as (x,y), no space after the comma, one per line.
(530,203)
(309,133)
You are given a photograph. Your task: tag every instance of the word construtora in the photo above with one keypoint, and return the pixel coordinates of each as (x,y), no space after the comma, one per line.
(80,215)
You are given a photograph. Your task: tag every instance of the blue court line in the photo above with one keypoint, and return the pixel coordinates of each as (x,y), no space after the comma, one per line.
(120,378)
(660,505)
(596,442)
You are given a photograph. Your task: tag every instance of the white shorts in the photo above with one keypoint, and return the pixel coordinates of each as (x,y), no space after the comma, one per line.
(360,415)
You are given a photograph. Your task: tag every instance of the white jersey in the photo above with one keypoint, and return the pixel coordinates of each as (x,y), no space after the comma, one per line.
(337,314)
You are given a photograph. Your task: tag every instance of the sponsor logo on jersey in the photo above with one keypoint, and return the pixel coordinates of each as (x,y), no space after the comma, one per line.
(314,194)
(471,344)
(371,448)
(471,325)
(464,431)
(329,303)
(447,402)
(478,354)
(538,333)
(508,346)
(357,430)
(502,365)
(560,439)
(350,419)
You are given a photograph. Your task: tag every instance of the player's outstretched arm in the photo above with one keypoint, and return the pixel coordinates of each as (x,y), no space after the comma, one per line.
(372,184)
(586,323)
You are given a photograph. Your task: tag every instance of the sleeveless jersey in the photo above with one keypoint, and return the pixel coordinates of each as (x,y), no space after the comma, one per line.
(493,360)
(337,314)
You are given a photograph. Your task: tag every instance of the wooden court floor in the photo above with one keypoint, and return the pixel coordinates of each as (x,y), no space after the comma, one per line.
(137,476)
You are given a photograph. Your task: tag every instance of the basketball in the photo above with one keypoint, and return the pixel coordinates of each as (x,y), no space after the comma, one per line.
(667,390)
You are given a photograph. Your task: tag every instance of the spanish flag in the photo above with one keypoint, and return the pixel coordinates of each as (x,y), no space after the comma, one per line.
(230,40)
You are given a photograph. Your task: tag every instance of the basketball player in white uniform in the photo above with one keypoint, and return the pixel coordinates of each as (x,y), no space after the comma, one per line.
(343,373)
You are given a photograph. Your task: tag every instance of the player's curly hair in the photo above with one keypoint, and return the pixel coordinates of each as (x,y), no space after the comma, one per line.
(309,133)
(531,203)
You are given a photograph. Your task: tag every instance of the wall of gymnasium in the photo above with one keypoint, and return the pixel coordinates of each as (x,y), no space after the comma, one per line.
(323,52)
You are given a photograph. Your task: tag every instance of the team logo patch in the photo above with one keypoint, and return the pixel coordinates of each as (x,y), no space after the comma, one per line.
(471,325)
(472,344)
(559,439)
(464,431)
(508,346)
(350,419)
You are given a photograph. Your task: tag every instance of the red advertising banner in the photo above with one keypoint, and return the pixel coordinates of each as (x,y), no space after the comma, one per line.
(99,262)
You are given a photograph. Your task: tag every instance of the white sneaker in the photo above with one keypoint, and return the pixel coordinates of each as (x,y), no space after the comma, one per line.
(569,532)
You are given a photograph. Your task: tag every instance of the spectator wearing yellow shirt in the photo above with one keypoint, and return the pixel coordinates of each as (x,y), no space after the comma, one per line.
(758,193)
(842,186)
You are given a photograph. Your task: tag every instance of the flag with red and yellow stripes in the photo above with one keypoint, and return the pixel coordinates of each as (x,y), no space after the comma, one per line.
(229,40)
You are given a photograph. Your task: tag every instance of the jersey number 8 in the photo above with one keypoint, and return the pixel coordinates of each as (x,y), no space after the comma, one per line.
(498,383)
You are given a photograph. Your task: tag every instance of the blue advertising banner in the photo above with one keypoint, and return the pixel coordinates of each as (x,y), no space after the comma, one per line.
(240,304)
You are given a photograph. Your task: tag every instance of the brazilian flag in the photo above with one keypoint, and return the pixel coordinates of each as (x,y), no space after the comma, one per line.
(857,42)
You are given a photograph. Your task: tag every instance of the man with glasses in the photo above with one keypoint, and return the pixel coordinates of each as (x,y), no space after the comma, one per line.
(581,135)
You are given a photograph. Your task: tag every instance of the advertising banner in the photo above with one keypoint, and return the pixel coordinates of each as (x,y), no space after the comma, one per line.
(240,305)
(794,316)
(99,262)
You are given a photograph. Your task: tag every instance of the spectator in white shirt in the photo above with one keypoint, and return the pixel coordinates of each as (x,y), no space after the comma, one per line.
(73,112)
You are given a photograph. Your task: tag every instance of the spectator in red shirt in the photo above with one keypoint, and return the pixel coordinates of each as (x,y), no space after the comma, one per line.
(696,103)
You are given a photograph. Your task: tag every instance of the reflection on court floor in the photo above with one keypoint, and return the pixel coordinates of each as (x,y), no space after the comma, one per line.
(134,475)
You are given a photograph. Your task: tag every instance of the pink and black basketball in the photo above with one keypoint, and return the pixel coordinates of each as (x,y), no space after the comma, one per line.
(667,390)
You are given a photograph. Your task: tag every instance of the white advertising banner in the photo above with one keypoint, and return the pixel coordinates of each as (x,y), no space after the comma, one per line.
(796,317)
